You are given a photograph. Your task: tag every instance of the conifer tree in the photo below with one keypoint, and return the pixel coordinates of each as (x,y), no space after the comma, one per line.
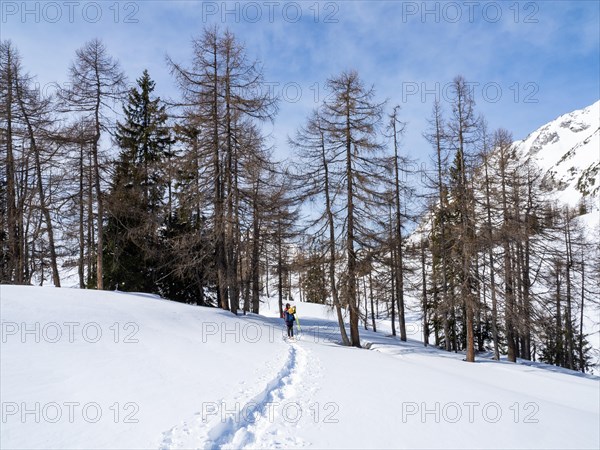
(96,82)
(136,197)
(351,119)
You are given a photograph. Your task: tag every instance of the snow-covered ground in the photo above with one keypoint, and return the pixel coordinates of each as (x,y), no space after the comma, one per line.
(87,369)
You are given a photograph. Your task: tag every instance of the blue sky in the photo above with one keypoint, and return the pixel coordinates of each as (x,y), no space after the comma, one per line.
(531,61)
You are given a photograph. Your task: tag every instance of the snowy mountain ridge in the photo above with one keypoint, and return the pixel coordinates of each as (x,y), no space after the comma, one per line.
(568,151)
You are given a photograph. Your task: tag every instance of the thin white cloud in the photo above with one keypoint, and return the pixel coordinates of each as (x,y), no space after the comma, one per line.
(392,49)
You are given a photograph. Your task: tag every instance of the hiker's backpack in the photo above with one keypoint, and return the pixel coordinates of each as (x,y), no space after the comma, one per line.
(292,310)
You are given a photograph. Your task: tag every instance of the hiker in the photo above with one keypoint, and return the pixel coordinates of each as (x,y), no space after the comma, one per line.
(288,316)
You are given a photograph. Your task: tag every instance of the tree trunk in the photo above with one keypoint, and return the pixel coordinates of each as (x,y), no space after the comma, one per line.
(491,259)
(372,302)
(581,352)
(354,313)
(442,248)
(398,236)
(366,316)
(569,323)
(255,251)
(220,254)
(14,259)
(279,269)
(81,263)
(40,188)
(332,256)
(508,272)
(393,281)
(90,224)
(559,354)
(424,294)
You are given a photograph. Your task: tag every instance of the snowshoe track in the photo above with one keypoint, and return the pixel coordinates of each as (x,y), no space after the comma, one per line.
(244,425)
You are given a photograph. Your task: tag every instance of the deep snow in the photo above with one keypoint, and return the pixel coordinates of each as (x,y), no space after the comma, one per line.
(169,375)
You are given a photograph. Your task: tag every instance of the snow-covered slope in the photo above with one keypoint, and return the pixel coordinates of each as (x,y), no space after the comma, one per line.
(168,375)
(568,151)
(142,364)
